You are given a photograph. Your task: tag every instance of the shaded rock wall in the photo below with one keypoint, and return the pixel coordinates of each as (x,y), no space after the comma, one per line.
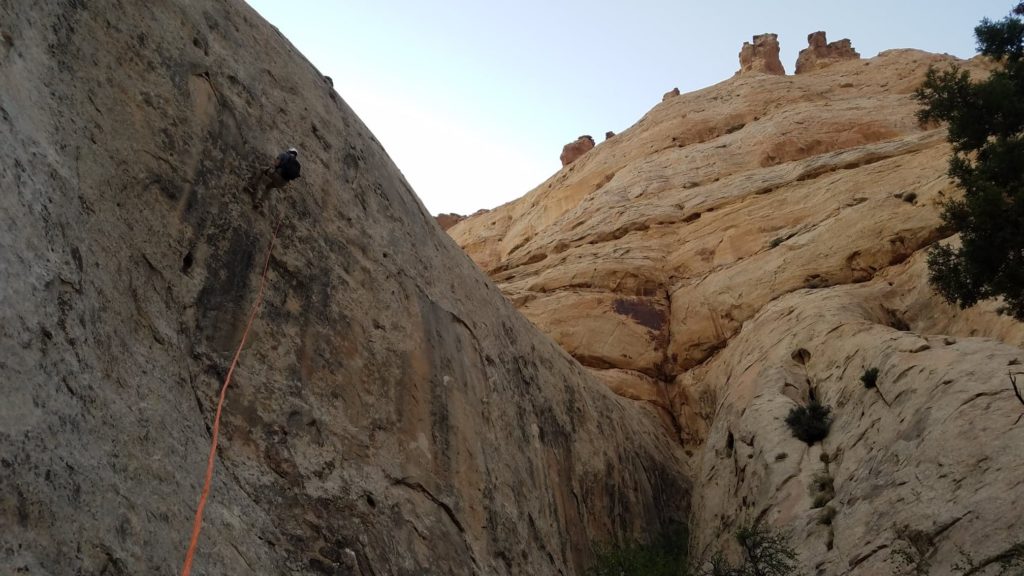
(392,413)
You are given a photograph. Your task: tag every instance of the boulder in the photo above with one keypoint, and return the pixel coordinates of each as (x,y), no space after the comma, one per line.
(573,150)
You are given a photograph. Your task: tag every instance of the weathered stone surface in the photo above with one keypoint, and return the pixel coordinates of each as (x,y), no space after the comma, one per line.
(761,55)
(931,454)
(573,150)
(391,414)
(764,217)
(821,53)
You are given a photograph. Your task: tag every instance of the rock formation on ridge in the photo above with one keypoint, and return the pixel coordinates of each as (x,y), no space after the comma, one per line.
(670,94)
(821,53)
(761,54)
(391,414)
(745,248)
(446,221)
(573,150)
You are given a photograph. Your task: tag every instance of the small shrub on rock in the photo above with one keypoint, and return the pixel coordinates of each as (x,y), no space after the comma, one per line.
(869,377)
(810,423)
(765,553)
(826,516)
(822,489)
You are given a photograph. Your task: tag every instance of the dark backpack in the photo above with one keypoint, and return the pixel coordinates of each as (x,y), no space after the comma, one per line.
(289,168)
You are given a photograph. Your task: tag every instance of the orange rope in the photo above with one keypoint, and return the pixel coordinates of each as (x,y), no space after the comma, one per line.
(198,522)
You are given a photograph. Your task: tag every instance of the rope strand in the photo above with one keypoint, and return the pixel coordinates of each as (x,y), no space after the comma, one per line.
(197,524)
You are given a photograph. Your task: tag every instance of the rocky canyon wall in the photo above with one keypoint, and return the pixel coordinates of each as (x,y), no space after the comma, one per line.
(755,245)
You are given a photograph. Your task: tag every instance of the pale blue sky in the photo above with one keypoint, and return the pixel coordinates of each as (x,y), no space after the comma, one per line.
(474,99)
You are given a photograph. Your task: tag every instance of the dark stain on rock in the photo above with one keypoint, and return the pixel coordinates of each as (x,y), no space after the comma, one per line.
(641,312)
(222,300)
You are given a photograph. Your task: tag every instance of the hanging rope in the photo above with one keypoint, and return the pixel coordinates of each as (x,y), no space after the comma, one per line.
(197,524)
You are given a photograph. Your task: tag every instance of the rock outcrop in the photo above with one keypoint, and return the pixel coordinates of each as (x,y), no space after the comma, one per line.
(670,94)
(821,53)
(392,412)
(572,151)
(608,134)
(743,249)
(446,221)
(761,55)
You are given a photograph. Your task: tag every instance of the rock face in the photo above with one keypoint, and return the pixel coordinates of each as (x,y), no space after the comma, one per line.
(761,55)
(744,248)
(821,53)
(392,412)
(572,151)
(446,221)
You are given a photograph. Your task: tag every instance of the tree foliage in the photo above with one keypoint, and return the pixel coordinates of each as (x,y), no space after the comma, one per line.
(986,130)
(765,553)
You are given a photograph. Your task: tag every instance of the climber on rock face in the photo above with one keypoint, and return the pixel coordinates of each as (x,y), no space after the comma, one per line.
(285,169)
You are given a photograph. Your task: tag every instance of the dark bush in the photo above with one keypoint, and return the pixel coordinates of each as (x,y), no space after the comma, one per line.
(810,423)
(869,377)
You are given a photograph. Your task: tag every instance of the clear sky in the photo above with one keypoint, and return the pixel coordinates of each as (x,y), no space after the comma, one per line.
(474,99)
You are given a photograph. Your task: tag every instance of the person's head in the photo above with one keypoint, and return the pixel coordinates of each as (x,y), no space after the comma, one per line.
(293,152)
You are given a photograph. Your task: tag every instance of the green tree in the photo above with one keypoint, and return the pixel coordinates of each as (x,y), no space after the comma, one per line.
(986,130)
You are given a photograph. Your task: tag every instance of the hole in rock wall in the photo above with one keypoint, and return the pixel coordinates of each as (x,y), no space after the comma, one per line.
(186,262)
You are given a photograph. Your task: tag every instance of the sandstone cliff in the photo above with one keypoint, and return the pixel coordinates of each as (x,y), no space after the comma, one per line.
(750,246)
(392,413)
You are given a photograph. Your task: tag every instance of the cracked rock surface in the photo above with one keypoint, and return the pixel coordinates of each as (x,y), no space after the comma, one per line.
(392,412)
